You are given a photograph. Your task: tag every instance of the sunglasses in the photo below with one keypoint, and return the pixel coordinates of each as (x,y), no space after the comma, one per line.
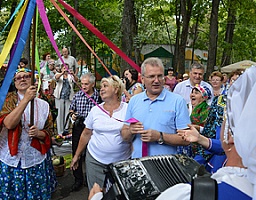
(25,77)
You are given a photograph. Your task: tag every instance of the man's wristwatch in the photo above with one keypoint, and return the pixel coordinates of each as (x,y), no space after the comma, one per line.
(161,139)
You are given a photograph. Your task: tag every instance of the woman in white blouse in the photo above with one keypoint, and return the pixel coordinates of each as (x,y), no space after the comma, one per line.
(103,133)
(25,172)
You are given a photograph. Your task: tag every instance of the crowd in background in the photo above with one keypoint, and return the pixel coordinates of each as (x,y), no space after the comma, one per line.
(131,116)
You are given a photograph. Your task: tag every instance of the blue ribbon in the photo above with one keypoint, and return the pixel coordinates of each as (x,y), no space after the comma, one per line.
(15,12)
(17,53)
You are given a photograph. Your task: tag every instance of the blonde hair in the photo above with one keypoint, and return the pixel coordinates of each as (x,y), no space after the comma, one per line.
(115,82)
(217,73)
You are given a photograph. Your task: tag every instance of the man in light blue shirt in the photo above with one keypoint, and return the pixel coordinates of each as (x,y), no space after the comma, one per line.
(160,114)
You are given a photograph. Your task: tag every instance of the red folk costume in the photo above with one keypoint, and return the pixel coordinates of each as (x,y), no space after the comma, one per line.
(14,134)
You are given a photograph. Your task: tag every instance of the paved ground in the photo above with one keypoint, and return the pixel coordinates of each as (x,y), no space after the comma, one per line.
(64,189)
(66,181)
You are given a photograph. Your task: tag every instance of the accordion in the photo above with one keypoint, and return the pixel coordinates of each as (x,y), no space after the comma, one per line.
(147,177)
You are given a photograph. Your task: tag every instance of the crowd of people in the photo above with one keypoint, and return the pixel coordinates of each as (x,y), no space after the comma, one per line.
(125,118)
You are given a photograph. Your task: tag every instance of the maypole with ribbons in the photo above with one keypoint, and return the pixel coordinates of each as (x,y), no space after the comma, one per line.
(23,25)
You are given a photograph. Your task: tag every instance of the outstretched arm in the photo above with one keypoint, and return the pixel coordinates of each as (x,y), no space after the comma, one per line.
(84,139)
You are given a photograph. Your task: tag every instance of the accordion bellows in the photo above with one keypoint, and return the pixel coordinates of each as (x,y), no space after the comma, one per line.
(147,177)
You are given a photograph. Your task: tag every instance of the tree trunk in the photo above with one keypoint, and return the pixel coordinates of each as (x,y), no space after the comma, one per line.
(226,57)
(213,38)
(129,31)
(177,40)
(195,38)
(1,3)
(26,51)
(186,10)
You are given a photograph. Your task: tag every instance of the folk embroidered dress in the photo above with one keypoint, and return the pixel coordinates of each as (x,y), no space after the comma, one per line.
(26,170)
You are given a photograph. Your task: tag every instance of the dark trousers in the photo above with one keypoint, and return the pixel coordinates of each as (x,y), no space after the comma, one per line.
(76,133)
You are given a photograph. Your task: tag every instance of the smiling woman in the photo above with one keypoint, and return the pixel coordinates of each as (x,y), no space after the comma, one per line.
(216,82)
(132,86)
(198,110)
(103,133)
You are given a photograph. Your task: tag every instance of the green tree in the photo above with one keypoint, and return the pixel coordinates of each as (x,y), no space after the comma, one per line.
(213,37)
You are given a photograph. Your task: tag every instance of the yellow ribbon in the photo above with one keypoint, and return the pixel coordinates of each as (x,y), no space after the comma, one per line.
(12,34)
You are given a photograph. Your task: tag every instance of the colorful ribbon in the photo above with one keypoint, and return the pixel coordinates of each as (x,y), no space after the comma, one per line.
(13,14)
(102,37)
(12,34)
(18,49)
(48,29)
(80,36)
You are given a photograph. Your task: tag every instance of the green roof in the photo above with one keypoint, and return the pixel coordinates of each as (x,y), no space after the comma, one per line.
(159,52)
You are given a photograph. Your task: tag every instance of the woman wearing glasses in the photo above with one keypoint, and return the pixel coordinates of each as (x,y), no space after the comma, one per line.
(103,133)
(24,169)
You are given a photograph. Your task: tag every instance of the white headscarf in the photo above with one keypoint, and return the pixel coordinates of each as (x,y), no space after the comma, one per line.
(241,108)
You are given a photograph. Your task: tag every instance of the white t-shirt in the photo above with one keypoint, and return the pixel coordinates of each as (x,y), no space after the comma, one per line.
(106,144)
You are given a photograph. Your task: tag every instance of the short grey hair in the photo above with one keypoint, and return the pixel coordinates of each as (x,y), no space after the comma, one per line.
(153,61)
(196,65)
(90,75)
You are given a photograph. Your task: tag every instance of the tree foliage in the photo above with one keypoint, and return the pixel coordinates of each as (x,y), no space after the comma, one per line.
(173,22)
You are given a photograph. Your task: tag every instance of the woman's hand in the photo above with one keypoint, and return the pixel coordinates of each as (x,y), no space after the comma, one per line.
(33,131)
(134,128)
(190,135)
(74,164)
(30,93)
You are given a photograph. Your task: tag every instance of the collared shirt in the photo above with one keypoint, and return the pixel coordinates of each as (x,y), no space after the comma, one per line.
(82,104)
(184,89)
(167,113)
